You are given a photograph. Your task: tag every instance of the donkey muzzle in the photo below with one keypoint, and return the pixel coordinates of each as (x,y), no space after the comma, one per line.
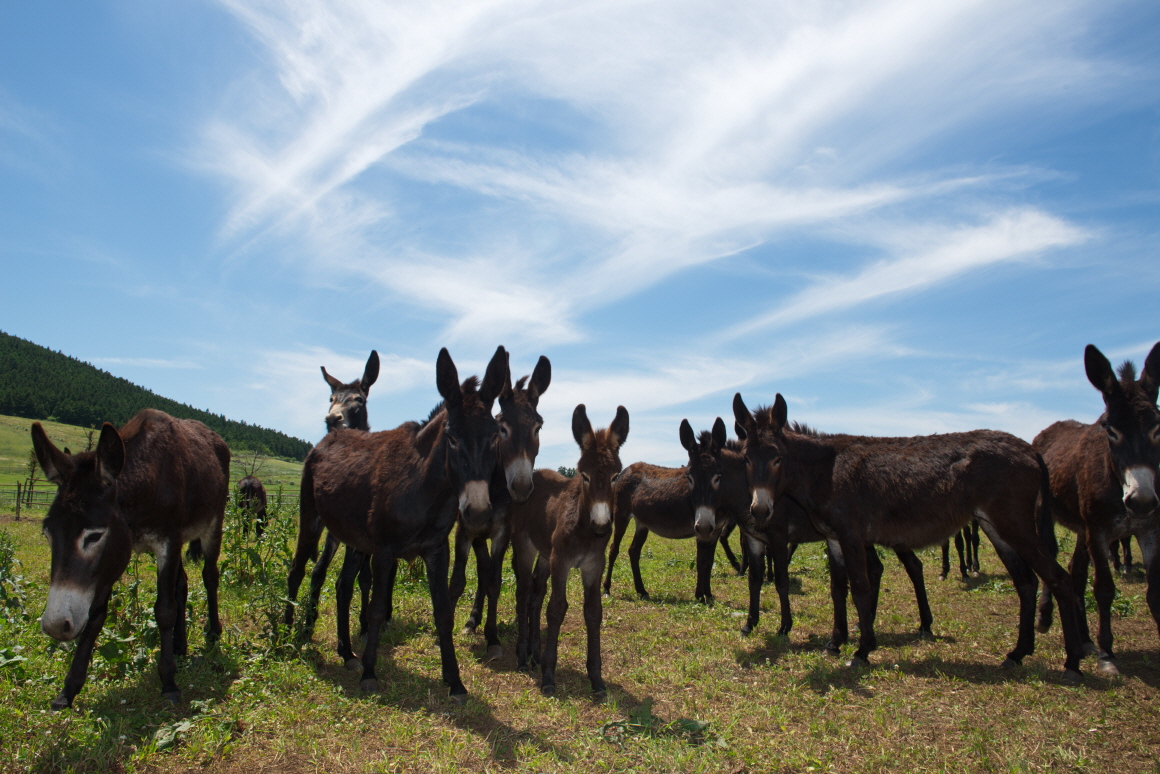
(601,517)
(762,506)
(705,522)
(519,479)
(475,503)
(1140,490)
(67,612)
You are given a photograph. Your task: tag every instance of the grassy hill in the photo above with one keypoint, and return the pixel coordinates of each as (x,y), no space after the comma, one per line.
(15,444)
(37,383)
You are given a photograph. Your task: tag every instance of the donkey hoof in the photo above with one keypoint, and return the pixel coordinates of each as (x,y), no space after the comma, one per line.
(548,690)
(746,630)
(353,664)
(644,595)
(1090,649)
(494,652)
(1107,668)
(1043,628)
(370,685)
(857,662)
(925,633)
(173,697)
(467,630)
(1072,677)
(1010,663)
(459,698)
(975,574)
(60,703)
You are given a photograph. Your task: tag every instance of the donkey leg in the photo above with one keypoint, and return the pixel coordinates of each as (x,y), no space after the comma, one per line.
(1078,570)
(211,549)
(365,583)
(755,552)
(1025,585)
(590,573)
(444,615)
(180,633)
(618,527)
(380,561)
(733,561)
(634,559)
(165,612)
(1127,543)
(706,550)
(499,545)
(1150,548)
(79,669)
(779,551)
(536,607)
(913,566)
(864,597)
(972,533)
(839,589)
(557,609)
(309,531)
(483,572)
(318,578)
(523,555)
(352,565)
(459,570)
(946,560)
(1104,590)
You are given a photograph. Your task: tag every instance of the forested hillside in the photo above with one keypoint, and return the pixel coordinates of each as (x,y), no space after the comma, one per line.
(37,383)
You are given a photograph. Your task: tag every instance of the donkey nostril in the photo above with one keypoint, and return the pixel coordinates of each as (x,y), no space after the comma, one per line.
(65,626)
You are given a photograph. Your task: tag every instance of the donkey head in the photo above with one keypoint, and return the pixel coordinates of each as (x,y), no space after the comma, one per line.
(1132,422)
(599,465)
(348,402)
(704,474)
(519,428)
(470,432)
(763,442)
(91,543)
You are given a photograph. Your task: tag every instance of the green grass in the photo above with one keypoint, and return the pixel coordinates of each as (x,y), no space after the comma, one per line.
(771,704)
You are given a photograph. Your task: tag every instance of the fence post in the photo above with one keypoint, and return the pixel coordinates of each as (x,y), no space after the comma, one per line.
(18,501)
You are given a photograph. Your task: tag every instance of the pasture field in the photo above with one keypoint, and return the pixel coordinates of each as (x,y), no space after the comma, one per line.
(771,704)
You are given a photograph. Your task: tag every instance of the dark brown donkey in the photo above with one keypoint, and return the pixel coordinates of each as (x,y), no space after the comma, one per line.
(158,483)
(778,534)
(519,443)
(252,499)
(911,493)
(566,523)
(348,410)
(394,495)
(1103,477)
(675,503)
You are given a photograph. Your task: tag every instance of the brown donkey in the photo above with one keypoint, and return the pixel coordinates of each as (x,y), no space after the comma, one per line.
(675,503)
(395,494)
(1103,477)
(519,443)
(566,523)
(158,483)
(911,493)
(348,410)
(252,500)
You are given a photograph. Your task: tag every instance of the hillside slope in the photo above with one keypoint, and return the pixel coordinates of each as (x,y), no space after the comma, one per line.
(37,383)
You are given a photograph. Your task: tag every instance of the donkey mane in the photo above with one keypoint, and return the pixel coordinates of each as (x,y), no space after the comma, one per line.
(520,384)
(1127,372)
(801,428)
(734,445)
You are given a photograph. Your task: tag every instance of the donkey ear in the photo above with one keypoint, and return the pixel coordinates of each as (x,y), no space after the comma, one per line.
(737,428)
(541,378)
(581,427)
(1099,371)
(335,384)
(780,413)
(493,380)
(688,438)
(55,464)
(110,453)
(371,372)
(447,379)
(1150,381)
(742,414)
(619,427)
(720,435)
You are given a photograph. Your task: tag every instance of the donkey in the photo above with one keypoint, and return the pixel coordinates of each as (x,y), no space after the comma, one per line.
(910,493)
(157,483)
(777,537)
(511,482)
(1103,478)
(566,523)
(252,499)
(675,503)
(967,547)
(394,495)
(348,409)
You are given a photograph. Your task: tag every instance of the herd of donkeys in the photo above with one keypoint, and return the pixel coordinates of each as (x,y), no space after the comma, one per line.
(159,483)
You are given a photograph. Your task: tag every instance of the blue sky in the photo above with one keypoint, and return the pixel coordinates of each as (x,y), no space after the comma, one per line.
(907,217)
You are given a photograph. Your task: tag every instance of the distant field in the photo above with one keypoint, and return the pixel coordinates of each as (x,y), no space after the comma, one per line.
(15,444)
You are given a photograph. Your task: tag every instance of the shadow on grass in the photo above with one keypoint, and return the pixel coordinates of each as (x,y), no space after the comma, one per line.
(130,712)
(414,692)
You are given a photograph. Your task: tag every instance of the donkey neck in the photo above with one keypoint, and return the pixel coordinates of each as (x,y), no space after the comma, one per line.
(810,462)
(431,448)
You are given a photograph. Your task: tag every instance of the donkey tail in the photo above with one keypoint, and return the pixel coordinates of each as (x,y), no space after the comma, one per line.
(1044,518)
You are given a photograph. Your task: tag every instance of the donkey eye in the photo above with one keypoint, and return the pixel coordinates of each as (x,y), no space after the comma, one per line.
(615,477)
(92,538)
(716,482)
(587,480)
(452,443)
(748,462)
(504,432)
(691,480)
(1114,435)
(1154,436)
